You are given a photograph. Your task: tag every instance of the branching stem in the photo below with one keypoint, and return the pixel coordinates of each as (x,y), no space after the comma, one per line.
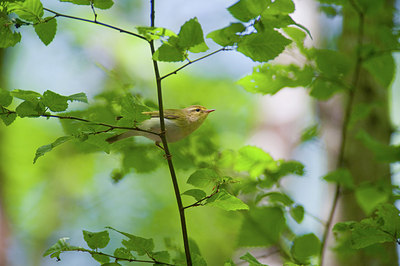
(345,126)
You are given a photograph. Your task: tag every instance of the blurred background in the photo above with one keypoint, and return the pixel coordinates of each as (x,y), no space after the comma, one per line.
(68,190)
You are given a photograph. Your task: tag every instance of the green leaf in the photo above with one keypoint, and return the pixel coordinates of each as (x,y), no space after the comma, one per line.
(304,247)
(190,35)
(132,111)
(8,118)
(61,246)
(8,38)
(342,177)
(26,95)
(80,97)
(30,10)
(382,152)
(135,243)
(154,33)
(46,30)
(161,256)
(369,196)
(55,101)
(245,10)
(227,36)
(270,78)
(46,148)
(169,53)
(281,7)
(274,197)
(111,264)
(262,226)
(325,89)
(32,109)
(96,240)
(297,213)
(382,68)
(123,253)
(310,133)
(255,161)
(102,4)
(101,258)
(197,194)
(203,178)
(332,64)
(226,201)
(251,260)
(5,98)
(263,46)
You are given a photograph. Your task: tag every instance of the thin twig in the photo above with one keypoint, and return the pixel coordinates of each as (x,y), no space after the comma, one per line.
(345,127)
(199,202)
(94,11)
(96,22)
(110,127)
(191,62)
(168,155)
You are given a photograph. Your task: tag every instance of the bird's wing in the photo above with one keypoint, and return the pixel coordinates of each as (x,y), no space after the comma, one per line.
(166,114)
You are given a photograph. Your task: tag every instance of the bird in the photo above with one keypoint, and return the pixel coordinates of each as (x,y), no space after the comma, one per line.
(179,123)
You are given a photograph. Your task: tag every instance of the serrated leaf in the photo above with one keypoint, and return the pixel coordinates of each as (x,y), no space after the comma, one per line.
(5,98)
(30,10)
(154,33)
(96,240)
(80,97)
(369,196)
(8,118)
(245,10)
(342,177)
(169,53)
(123,253)
(304,247)
(332,64)
(227,36)
(30,109)
(271,78)
(197,194)
(26,95)
(190,34)
(132,110)
(8,38)
(263,46)
(262,227)
(254,160)
(203,178)
(135,243)
(226,201)
(274,197)
(251,260)
(324,89)
(161,256)
(297,213)
(103,259)
(46,30)
(46,148)
(55,101)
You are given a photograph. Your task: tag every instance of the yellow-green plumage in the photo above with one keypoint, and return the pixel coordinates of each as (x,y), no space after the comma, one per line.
(179,123)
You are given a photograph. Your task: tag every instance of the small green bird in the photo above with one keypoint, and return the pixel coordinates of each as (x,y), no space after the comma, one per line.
(179,123)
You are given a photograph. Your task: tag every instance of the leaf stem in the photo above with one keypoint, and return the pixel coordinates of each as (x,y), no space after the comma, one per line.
(165,144)
(191,62)
(345,126)
(95,21)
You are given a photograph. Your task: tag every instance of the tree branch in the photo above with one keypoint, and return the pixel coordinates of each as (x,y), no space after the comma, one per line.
(165,144)
(199,202)
(96,22)
(345,126)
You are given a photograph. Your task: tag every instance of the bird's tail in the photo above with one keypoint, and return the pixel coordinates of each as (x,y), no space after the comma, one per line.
(121,136)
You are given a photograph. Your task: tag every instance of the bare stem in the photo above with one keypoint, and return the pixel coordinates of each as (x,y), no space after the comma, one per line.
(345,127)
(165,145)
(96,22)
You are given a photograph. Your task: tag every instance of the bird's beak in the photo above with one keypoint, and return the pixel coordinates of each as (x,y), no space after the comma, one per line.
(209,110)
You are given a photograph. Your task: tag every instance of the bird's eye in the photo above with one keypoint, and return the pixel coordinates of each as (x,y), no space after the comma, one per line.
(198,110)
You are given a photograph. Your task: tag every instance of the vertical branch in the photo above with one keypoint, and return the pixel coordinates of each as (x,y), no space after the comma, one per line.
(345,127)
(165,145)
